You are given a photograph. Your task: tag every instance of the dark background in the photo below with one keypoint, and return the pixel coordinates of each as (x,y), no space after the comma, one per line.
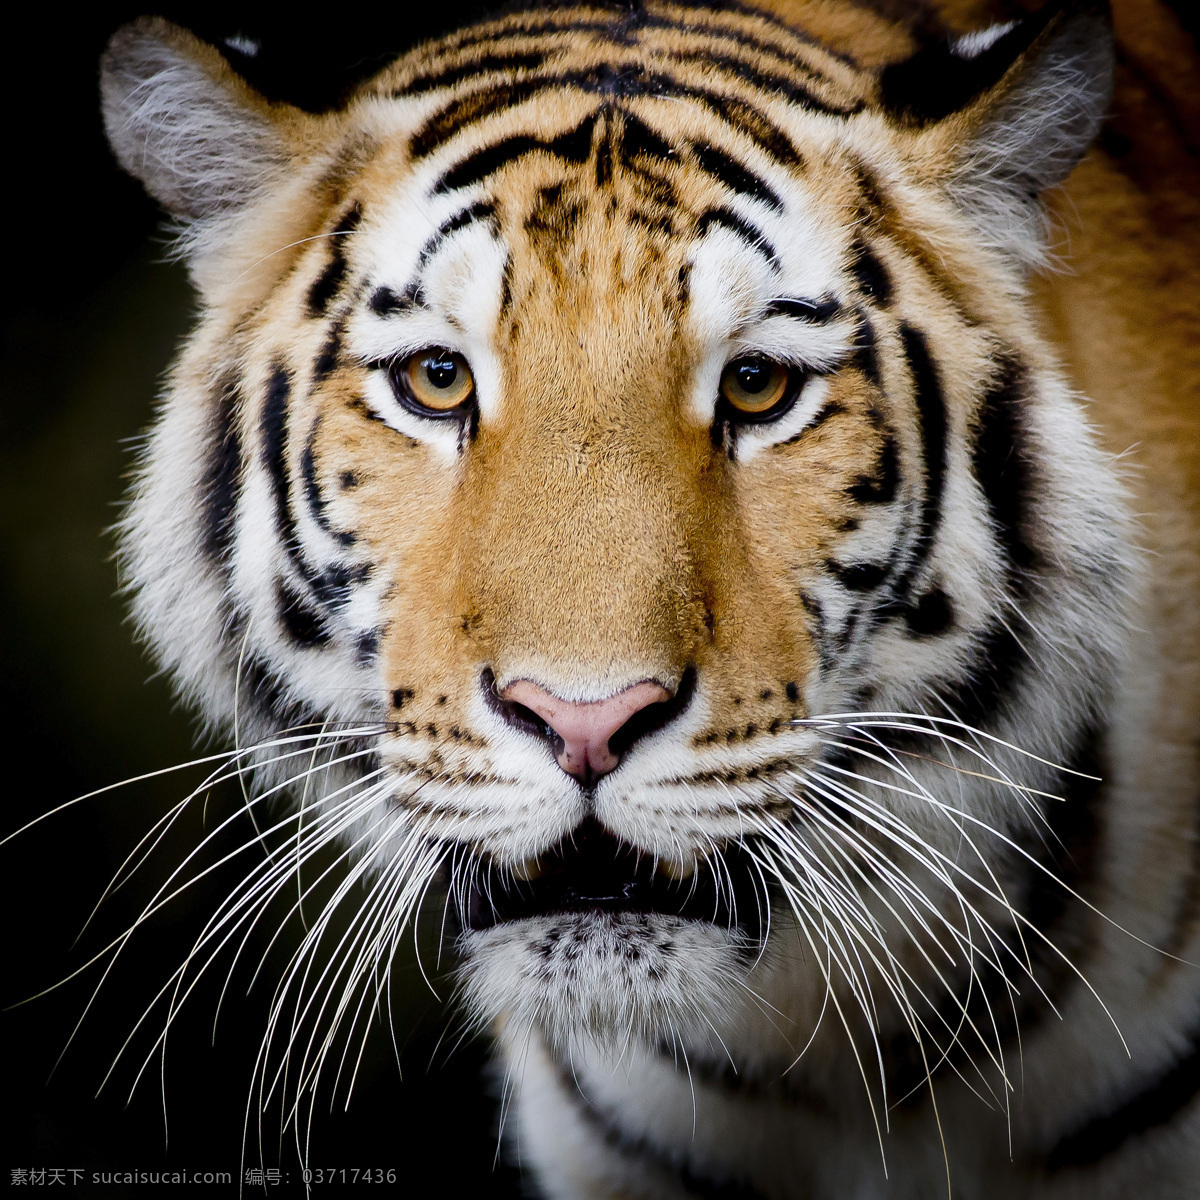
(91,314)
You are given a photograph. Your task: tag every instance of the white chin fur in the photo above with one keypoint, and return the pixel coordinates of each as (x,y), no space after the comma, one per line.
(605,975)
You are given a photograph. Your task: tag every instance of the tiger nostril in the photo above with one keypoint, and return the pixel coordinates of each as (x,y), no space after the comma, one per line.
(588,737)
(515,714)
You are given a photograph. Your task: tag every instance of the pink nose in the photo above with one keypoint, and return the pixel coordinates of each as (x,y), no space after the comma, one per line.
(585,729)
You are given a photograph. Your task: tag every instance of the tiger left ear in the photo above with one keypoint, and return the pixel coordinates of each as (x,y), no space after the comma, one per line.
(1007,112)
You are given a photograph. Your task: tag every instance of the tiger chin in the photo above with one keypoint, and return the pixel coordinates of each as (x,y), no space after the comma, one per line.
(621,480)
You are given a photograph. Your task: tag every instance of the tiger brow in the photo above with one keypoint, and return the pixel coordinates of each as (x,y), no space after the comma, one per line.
(384,302)
(815,312)
(727,219)
(482,210)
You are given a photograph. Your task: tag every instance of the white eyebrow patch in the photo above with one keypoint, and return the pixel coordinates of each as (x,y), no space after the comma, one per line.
(441,286)
(787,308)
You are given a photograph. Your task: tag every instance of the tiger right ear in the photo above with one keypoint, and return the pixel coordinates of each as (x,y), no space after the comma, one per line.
(179,118)
(1007,112)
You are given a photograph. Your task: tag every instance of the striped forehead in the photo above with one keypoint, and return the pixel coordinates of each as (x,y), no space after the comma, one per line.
(715,59)
(681,114)
(749,227)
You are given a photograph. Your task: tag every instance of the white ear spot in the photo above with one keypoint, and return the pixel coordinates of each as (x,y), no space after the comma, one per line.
(971,45)
(241,44)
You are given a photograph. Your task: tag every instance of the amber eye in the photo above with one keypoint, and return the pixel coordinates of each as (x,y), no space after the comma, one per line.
(435,382)
(756,387)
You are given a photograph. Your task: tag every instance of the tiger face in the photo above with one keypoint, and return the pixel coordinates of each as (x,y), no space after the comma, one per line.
(614,441)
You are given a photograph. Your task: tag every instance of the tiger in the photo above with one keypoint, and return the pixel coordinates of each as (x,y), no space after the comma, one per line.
(659,478)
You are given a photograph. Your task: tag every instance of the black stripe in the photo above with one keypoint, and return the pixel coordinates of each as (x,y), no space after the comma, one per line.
(857,577)
(828,410)
(1188,906)
(866,351)
(385,303)
(625,23)
(931,417)
(754,238)
(879,487)
(606,80)
(931,413)
(660,223)
(221,482)
(1004,472)
(366,648)
(871,275)
(1002,467)
(330,353)
(818,629)
(767,81)
(604,156)
(742,37)
(815,312)
(449,76)
(931,409)
(330,586)
(637,138)
(263,687)
(333,586)
(683,288)
(326,285)
(303,625)
(873,207)
(831,408)
(734,176)
(932,614)
(312,490)
(574,147)
(1150,1108)
(481,210)
(850,627)
(639,1150)
(553,215)
(506,295)
(991,677)
(274,432)
(770,1080)
(478,166)
(487,32)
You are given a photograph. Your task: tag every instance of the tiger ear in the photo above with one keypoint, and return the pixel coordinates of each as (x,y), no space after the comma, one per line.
(1006,113)
(179,119)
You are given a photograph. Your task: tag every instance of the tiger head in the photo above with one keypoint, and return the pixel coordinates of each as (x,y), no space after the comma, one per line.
(620,445)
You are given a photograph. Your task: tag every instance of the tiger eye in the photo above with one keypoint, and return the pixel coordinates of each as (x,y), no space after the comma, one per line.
(438,379)
(754,385)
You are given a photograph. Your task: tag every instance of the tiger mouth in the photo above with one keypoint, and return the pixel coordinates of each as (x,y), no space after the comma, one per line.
(592,871)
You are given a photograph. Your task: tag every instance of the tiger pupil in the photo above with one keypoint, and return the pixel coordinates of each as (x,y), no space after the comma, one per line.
(442,372)
(752,377)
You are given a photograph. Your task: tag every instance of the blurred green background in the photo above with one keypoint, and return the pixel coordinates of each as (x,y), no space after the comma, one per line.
(91,314)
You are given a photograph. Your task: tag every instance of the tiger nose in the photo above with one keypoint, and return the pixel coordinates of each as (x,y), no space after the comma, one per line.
(584,729)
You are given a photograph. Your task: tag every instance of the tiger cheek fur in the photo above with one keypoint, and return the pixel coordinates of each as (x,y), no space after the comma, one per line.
(621,440)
